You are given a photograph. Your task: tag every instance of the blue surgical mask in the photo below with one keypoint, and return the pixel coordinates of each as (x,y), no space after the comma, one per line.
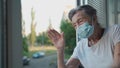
(85,30)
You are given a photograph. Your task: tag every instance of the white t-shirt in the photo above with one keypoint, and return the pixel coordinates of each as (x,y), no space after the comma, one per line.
(99,55)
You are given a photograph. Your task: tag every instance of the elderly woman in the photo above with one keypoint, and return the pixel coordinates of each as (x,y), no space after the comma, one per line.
(97,48)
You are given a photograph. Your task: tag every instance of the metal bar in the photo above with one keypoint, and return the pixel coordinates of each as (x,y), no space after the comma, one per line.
(107,15)
(116,12)
(4,49)
(78,2)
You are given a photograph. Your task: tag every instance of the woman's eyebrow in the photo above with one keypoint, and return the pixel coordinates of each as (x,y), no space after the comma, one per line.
(79,19)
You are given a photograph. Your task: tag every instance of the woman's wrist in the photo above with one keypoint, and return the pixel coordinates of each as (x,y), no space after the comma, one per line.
(60,50)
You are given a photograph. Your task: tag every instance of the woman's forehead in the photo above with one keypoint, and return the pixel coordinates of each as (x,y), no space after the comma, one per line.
(78,14)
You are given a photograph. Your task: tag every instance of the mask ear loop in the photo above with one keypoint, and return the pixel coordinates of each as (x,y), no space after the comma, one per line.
(77,37)
(92,18)
(92,21)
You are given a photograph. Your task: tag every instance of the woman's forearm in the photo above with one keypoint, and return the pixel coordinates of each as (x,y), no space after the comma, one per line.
(60,58)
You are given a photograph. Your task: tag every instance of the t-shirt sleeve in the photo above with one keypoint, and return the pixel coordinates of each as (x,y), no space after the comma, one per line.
(75,53)
(116,34)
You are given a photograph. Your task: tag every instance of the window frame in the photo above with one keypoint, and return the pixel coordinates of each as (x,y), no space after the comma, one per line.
(112,12)
(3,57)
(10,36)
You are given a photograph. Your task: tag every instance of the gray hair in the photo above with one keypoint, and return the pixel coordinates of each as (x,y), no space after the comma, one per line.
(89,10)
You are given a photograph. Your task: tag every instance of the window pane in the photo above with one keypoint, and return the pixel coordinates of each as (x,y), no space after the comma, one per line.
(37,17)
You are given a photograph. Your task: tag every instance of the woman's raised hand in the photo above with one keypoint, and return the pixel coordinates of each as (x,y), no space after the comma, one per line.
(57,38)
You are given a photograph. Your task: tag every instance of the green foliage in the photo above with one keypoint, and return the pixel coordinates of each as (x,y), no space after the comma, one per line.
(32,36)
(33,25)
(69,35)
(25,47)
(43,39)
(32,14)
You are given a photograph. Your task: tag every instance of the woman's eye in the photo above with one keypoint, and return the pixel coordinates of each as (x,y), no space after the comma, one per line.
(74,24)
(79,21)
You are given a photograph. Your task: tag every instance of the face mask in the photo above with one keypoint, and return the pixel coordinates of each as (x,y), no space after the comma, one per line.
(85,30)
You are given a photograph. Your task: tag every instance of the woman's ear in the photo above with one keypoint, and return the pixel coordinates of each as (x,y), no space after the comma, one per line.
(95,18)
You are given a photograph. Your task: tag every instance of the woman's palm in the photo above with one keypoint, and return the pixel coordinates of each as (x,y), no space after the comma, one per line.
(57,38)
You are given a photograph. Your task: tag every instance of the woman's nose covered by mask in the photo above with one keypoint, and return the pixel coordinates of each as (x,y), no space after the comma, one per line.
(85,30)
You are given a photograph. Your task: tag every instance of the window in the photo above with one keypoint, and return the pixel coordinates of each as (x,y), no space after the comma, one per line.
(83,2)
(10,34)
(113,12)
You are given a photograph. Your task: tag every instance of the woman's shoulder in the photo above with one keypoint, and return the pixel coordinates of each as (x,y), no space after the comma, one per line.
(113,28)
(82,41)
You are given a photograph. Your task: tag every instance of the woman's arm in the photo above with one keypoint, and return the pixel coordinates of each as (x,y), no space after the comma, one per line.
(117,56)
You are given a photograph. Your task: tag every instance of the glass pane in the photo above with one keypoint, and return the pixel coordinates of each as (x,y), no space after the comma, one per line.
(37,17)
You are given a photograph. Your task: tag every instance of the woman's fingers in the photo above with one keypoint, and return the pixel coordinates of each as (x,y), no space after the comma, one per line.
(57,35)
(52,35)
(56,38)
(62,34)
